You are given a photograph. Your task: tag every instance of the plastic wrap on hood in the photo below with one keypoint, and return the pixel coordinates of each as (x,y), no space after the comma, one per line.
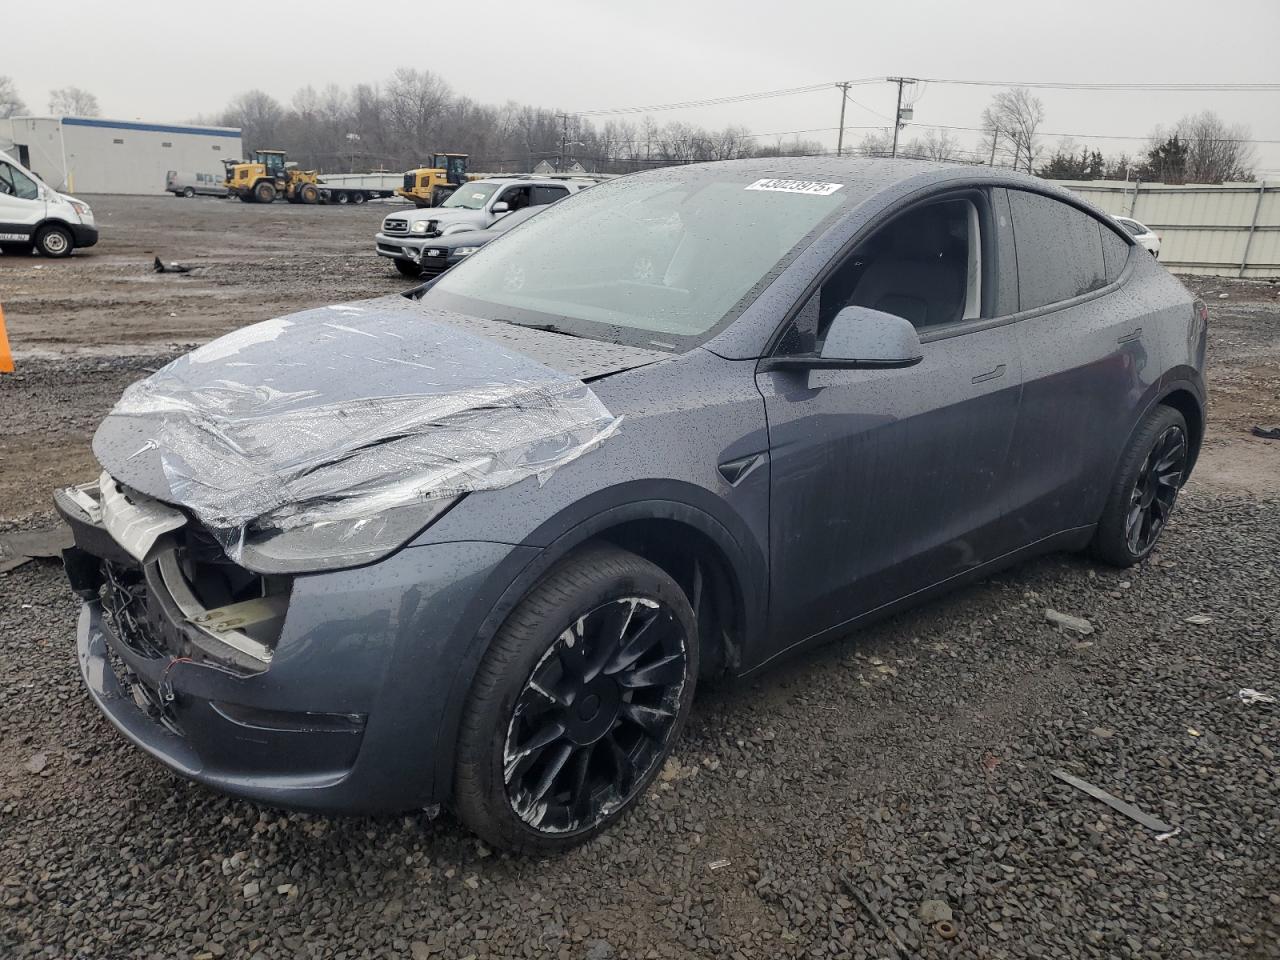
(387,419)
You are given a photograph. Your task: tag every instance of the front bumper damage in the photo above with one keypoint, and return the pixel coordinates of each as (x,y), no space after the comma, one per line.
(188,682)
(348,706)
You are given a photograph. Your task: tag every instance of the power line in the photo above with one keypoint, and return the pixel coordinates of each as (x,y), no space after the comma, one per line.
(715,101)
(1086,136)
(1179,87)
(885,116)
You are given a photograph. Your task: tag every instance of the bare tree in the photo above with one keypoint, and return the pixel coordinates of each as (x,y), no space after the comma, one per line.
(1012,122)
(399,124)
(938,145)
(11,104)
(259,116)
(415,101)
(1214,151)
(878,144)
(73,102)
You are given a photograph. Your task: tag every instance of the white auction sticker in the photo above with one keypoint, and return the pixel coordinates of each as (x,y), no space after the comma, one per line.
(815,187)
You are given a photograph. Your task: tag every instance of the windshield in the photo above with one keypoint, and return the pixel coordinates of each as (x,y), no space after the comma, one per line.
(656,261)
(471,196)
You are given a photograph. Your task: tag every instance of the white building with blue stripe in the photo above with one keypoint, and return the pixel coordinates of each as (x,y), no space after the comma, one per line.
(85,155)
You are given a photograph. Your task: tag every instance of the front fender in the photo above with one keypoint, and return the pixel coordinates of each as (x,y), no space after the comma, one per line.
(584,521)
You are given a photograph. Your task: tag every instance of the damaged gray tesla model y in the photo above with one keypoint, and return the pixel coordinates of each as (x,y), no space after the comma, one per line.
(476,546)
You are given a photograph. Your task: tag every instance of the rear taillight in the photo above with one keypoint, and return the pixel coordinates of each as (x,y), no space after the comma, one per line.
(1202,311)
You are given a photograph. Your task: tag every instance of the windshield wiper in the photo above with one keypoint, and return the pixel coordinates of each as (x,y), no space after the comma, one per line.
(552,328)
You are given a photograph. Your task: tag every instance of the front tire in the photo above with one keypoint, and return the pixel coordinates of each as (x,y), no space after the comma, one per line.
(189,192)
(54,241)
(1151,472)
(577,703)
(408,268)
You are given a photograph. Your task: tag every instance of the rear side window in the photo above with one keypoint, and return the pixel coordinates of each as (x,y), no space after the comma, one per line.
(543,195)
(1059,250)
(1114,251)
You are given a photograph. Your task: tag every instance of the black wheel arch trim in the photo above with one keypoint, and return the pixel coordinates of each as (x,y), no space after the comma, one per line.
(566,532)
(1189,381)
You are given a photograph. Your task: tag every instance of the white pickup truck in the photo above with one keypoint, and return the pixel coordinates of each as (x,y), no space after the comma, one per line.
(473,206)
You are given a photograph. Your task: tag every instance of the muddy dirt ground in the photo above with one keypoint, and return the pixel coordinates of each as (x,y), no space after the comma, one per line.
(914,758)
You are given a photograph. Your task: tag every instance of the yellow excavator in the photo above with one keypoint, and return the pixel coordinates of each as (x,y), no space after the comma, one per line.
(433,185)
(268,176)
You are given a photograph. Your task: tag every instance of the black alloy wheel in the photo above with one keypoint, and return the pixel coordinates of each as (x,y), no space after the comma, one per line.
(577,702)
(1155,490)
(1151,471)
(595,715)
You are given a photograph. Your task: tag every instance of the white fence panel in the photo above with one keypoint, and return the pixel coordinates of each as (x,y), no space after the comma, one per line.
(1230,229)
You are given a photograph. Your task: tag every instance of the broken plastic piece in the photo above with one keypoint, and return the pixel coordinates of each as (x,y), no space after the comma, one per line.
(1250,695)
(1115,803)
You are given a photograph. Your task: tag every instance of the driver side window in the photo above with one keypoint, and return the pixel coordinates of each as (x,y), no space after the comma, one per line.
(516,198)
(15,183)
(925,265)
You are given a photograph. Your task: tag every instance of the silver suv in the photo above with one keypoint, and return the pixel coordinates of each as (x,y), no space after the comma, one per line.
(473,206)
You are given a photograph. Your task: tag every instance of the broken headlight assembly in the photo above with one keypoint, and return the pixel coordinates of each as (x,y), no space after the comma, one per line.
(318,538)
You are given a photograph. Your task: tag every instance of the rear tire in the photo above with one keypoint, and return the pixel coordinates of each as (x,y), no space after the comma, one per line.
(358,198)
(577,703)
(1151,472)
(340,198)
(54,242)
(264,192)
(189,192)
(408,268)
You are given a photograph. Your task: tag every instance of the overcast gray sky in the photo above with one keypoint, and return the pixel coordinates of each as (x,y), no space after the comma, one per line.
(172,60)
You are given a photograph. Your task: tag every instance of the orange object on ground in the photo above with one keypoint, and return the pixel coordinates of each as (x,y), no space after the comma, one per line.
(6,358)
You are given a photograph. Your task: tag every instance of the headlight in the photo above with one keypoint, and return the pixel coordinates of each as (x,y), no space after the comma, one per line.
(81,208)
(308,541)
(464,251)
(420,226)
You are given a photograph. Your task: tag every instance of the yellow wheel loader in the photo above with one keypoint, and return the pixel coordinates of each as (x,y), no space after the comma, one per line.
(268,176)
(433,185)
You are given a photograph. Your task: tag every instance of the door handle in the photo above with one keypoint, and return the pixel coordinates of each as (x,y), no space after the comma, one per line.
(990,375)
(1130,337)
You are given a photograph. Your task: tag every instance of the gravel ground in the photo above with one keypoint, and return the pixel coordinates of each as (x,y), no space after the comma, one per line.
(914,758)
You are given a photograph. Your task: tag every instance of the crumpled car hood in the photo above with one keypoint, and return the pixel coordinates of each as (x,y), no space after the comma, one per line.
(348,410)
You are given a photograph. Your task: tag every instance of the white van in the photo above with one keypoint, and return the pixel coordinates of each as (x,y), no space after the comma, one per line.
(33,214)
(195,184)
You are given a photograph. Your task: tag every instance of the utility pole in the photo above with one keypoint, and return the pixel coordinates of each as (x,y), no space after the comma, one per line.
(844,97)
(564,140)
(995,136)
(897,114)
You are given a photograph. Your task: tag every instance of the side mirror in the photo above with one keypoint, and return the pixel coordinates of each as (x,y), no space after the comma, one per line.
(500,207)
(859,338)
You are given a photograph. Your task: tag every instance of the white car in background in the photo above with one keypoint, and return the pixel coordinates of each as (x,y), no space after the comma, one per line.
(1142,235)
